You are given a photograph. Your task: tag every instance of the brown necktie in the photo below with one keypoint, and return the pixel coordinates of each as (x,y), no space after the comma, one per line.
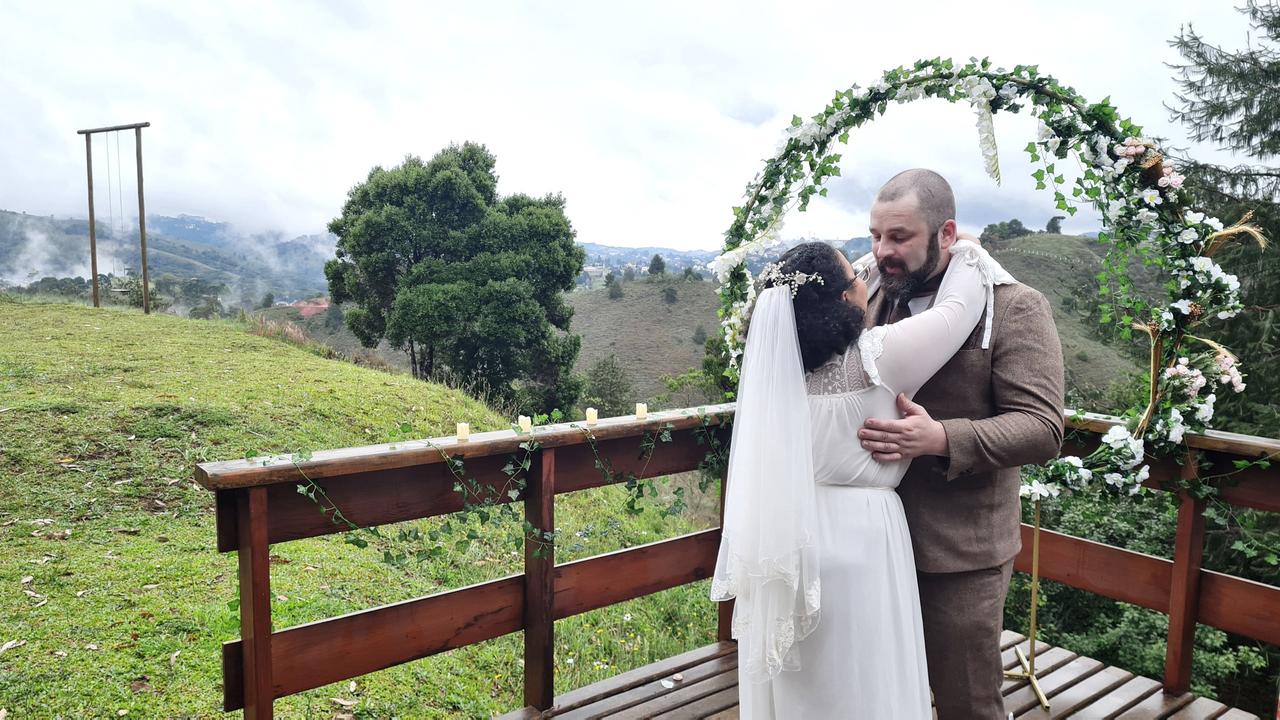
(897,307)
(900,310)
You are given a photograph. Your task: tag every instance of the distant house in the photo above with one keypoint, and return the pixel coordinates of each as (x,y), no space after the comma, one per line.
(312,307)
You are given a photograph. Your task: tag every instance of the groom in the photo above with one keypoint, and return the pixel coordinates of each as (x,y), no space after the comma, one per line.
(985,413)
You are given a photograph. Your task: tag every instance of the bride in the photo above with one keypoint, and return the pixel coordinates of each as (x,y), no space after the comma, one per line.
(815,547)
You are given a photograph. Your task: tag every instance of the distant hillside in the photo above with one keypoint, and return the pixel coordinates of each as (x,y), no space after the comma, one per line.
(1064,268)
(617,257)
(649,336)
(33,246)
(652,338)
(608,256)
(330,329)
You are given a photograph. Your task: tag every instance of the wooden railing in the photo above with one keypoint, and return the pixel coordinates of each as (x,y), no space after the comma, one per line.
(1180,588)
(258,505)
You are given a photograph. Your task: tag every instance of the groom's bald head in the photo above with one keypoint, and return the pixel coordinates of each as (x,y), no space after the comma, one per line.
(932,192)
(912,222)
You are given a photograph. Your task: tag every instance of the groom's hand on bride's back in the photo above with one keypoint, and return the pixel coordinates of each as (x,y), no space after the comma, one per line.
(914,435)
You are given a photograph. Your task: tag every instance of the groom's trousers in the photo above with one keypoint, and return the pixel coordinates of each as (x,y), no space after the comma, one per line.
(963,613)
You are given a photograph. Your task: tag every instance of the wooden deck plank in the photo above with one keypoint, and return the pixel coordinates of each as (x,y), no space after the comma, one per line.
(679,697)
(1024,698)
(1237,714)
(1118,700)
(653,689)
(640,676)
(1157,705)
(711,705)
(1009,660)
(1078,687)
(1080,694)
(1200,709)
(1009,638)
(1051,660)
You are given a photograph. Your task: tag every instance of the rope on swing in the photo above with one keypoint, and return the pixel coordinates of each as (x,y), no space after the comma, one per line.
(119,187)
(111,193)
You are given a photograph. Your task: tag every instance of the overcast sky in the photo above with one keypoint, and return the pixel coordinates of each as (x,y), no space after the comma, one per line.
(649,117)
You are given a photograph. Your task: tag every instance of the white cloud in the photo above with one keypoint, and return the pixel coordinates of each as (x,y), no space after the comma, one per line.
(649,119)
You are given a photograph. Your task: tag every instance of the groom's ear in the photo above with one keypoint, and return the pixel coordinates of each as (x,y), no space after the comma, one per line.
(947,234)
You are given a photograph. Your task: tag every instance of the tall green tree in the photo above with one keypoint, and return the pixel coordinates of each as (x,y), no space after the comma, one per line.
(1054,226)
(1232,98)
(609,388)
(1001,231)
(435,262)
(657,266)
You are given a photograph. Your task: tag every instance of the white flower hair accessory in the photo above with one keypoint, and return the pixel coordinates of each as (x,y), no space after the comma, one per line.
(772,276)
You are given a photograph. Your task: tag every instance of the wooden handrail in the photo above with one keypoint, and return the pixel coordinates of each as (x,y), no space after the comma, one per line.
(1245,446)
(257,505)
(253,472)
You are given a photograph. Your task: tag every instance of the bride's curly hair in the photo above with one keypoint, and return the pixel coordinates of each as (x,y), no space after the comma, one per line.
(825,324)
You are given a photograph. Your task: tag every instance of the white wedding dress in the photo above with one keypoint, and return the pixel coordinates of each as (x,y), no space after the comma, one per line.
(865,657)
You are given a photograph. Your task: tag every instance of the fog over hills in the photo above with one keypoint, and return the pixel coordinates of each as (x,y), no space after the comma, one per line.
(250,265)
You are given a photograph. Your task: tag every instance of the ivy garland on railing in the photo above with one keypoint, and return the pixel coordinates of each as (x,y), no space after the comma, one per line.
(1124,175)
(482,502)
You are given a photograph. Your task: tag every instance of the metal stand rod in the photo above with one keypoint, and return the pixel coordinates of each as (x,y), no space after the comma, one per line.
(1028,663)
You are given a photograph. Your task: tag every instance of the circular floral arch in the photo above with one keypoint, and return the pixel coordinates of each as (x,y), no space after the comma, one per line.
(1125,176)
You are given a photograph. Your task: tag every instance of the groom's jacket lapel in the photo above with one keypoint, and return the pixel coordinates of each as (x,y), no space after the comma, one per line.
(874,305)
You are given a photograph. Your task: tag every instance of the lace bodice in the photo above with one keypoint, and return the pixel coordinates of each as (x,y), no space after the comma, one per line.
(841,374)
(855,369)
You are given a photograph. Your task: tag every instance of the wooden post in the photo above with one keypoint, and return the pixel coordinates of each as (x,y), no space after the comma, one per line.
(93,232)
(539,588)
(1184,591)
(142,224)
(255,602)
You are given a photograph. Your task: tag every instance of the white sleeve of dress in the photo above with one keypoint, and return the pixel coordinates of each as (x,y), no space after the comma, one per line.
(912,350)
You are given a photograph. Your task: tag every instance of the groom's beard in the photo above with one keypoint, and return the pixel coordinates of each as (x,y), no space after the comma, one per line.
(907,283)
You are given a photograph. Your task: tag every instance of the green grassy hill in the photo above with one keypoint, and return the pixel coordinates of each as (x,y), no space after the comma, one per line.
(650,337)
(109,578)
(337,336)
(1063,267)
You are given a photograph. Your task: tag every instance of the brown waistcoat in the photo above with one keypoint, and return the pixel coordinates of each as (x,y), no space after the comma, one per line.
(1001,408)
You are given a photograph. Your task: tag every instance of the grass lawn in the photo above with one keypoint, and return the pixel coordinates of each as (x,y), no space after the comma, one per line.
(111,595)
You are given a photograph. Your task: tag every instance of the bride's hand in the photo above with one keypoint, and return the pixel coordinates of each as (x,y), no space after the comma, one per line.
(970,238)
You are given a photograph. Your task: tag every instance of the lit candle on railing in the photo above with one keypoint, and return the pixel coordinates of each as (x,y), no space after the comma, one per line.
(464,432)
(642,411)
(592,416)
(526,423)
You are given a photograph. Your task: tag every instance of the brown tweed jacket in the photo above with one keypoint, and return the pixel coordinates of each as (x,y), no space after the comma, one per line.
(1001,408)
